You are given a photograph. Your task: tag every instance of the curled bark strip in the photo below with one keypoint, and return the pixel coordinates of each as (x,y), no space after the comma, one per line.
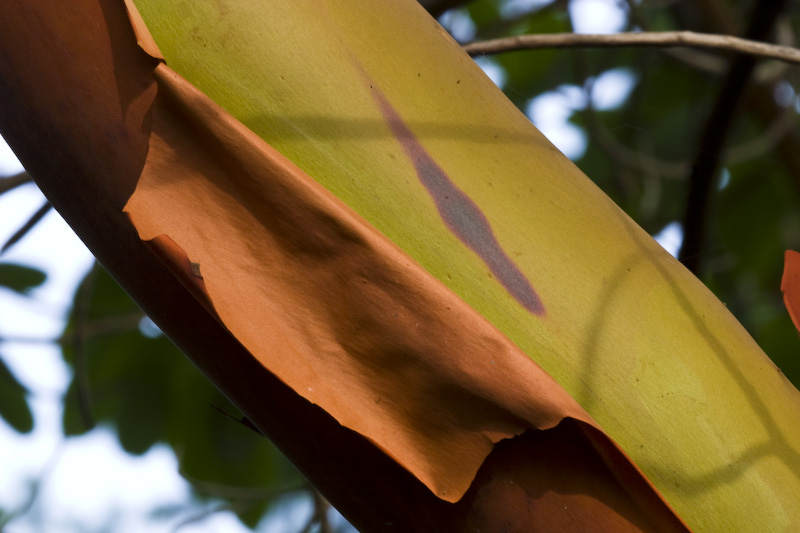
(341,314)
(334,309)
(790,285)
(328,304)
(435,412)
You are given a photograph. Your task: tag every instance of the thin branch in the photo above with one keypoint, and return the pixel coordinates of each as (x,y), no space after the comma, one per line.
(777,135)
(27,227)
(666,39)
(760,101)
(717,66)
(12,182)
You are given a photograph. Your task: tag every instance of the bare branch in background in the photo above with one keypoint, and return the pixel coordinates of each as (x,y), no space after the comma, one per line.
(667,39)
(28,226)
(12,182)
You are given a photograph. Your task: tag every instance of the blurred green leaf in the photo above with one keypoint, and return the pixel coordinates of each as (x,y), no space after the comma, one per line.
(20,278)
(14,408)
(483,12)
(149,392)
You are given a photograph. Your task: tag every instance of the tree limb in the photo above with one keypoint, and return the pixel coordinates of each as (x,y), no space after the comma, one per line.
(10,182)
(27,227)
(713,138)
(667,39)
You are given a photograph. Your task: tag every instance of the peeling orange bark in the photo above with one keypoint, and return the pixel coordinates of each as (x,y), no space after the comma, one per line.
(189,273)
(392,353)
(328,304)
(790,285)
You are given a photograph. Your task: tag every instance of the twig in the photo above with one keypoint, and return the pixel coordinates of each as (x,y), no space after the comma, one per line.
(28,226)
(11,182)
(666,39)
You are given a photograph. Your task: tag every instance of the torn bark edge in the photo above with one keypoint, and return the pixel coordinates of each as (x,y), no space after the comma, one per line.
(143,36)
(187,272)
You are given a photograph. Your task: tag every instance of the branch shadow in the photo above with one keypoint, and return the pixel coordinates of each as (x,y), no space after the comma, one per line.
(776,445)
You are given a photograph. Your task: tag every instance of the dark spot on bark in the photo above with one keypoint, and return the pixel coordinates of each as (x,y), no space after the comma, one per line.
(461,215)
